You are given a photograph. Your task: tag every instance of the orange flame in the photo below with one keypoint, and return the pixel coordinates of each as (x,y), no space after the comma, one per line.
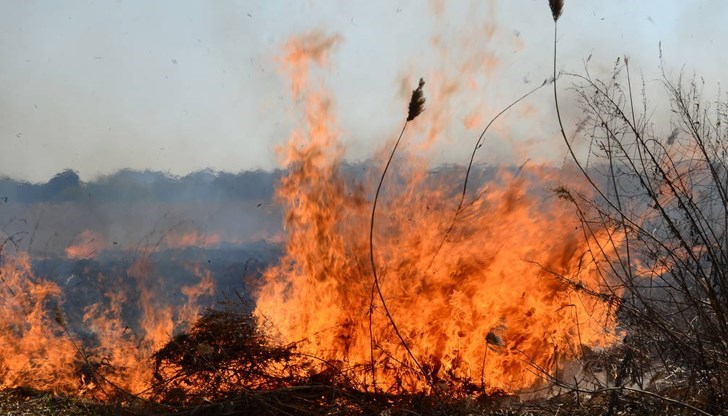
(33,348)
(39,348)
(191,238)
(490,308)
(89,245)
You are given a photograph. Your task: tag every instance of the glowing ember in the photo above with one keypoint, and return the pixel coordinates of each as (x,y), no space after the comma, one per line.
(489,308)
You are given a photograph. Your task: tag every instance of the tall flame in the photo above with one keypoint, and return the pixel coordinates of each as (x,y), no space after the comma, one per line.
(490,308)
(33,348)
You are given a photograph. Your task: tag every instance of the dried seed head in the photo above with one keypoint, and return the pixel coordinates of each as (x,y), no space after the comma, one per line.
(557,6)
(58,316)
(492,339)
(417,102)
(563,192)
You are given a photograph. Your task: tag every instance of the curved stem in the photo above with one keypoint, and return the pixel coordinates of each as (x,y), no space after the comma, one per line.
(374,267)
(478,145)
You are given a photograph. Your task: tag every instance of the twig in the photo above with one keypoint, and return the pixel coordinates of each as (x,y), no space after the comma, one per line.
(577,390)
(61,321)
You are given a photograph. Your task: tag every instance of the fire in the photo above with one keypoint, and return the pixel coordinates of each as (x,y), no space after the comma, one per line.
(42,348)
(89,244)
(191,238)
(33,348)
(491,308)
(496,303)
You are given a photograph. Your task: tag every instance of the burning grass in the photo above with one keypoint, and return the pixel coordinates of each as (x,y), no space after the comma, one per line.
(484,312)
(408,310)
(476,310)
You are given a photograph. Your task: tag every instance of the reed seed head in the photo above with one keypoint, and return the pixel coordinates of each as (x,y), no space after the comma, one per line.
(557,7)
(58,316)
(492,339)
(417,102)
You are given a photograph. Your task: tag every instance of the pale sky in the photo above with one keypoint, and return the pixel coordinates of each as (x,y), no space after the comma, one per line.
(178,86)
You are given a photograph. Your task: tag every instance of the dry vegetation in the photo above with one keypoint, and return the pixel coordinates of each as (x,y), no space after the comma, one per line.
(664,198)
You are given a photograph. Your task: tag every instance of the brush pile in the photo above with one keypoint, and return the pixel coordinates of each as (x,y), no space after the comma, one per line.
(225,363)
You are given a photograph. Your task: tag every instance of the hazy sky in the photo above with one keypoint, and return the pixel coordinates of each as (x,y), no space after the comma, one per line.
(178,86)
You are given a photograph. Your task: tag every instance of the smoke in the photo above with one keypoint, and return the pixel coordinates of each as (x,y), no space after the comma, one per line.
(180,90)
(129,209)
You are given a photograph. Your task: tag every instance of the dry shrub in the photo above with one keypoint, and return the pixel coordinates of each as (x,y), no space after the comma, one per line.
(223,354)
(668,194)
(227,363)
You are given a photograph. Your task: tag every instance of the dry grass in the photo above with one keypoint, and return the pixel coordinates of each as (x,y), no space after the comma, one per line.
(23,402)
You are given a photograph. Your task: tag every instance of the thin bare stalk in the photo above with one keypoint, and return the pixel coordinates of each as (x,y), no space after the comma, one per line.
(545,374)
(478,145)
(416,106)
